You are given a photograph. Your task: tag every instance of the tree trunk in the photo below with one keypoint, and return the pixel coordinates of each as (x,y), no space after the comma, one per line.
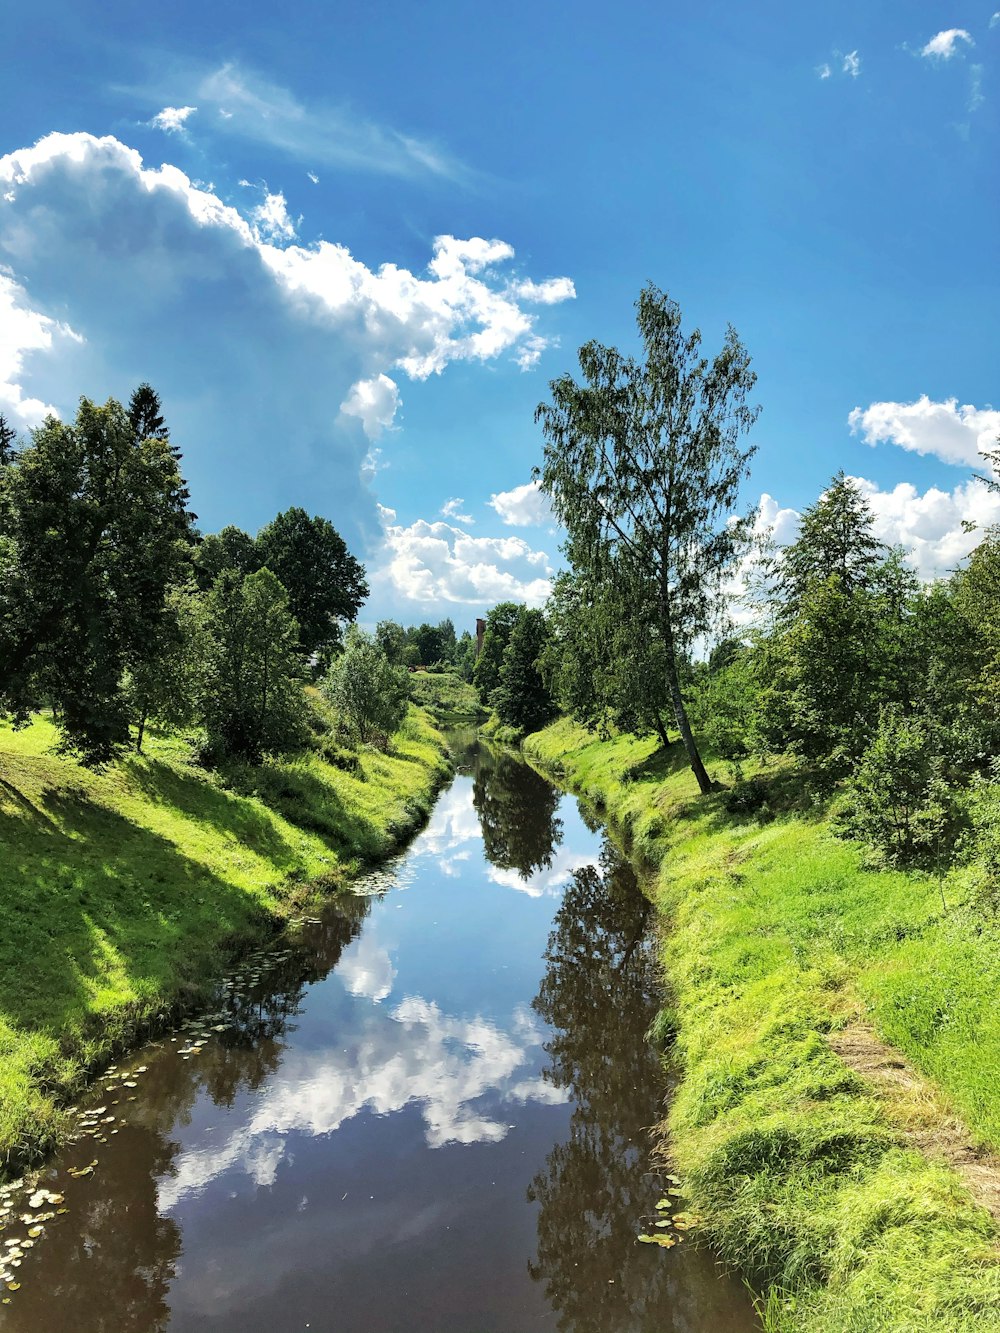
(661,730)
(684,727)
(140,732)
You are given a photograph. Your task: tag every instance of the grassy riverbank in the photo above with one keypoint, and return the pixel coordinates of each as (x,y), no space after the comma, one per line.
(124,892)
(777,940)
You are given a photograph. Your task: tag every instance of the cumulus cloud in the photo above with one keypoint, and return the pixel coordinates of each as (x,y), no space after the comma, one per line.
(545,293)
(271,220)
(251,343)
(945,44)
(374,402)
(933,526)
(22,332)
(428,563)
(453,509)
(955,434)
(172,119)
(524,506)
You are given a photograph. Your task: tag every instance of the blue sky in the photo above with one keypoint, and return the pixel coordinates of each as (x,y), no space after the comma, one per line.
(243,205)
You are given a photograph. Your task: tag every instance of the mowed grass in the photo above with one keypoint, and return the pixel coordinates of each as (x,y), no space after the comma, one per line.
(446,695)
(775,935)
(123,892)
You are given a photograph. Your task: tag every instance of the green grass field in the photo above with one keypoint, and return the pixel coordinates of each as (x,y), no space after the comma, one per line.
(446,696)
(125,891)
(775,935)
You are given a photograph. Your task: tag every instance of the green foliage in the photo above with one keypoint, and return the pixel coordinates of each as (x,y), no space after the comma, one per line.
(522,699)
(643,464)
(170,685)
(95,534)
(252,703)
(835,538)
(500,622)
(391,638)
(370,693)
(897,800)
(326,585)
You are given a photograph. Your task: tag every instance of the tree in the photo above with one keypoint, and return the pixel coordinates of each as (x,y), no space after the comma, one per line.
(391,638)
(146,415)
(427,639)
(326,585)
(168,686)
(253,703)
(643,464)
(835,537)
(465,655)
(367,690)
(95,536)
(8,441)
(500,624)
(449,643)
(522,697)
(231,548)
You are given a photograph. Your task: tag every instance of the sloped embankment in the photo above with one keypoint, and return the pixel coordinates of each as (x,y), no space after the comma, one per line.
(822,1183)
(124,892)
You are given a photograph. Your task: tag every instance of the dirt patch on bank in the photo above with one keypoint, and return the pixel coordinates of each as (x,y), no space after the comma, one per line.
(921,1112)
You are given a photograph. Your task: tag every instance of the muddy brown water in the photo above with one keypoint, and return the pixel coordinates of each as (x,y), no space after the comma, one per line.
(426,1110)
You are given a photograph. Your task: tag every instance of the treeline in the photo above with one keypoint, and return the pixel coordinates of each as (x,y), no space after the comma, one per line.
(881,687)
(115,612)
(427,645)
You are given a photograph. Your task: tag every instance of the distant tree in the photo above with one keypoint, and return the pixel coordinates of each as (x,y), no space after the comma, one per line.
(391,638)
(465,655)
(253,703)
(95,536)
(367,690)
(8,442)
(522,697)
(232,548)
(446,631)
(427,639)
(411,655)
(500,624)
(643,464)
(145,412)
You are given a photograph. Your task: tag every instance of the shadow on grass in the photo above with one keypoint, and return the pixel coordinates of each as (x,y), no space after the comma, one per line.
(198,799)
(95,911)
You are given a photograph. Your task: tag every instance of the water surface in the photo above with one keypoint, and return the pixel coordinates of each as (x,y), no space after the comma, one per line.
(427,1110)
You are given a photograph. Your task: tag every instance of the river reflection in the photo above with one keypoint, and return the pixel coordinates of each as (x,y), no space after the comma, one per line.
(398,1127)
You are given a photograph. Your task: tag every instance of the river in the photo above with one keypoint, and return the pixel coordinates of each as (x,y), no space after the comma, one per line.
(426,1109)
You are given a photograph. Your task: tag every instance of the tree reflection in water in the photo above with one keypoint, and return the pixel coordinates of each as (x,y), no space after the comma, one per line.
(517,813)
(599,994)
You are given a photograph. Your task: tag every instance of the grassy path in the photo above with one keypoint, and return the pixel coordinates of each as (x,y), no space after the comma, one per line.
(124,892)
(777,939)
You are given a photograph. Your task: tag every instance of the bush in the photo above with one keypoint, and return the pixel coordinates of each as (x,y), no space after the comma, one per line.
(369,693)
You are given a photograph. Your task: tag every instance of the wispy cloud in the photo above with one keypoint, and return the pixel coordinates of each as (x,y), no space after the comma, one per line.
(840,62)
(453,509)
(238,102)
(946,44)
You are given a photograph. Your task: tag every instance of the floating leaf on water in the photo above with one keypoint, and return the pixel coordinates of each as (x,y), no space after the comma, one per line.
(676,1193)
(13,1286)
(128,1083)
(142,1069)
(647,1240)
(662,1203)
(674,1180)
(62,1210)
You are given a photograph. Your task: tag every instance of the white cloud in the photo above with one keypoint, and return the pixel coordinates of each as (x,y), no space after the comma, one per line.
(548,292)
(313,177)
(374,402)
(429,563)
(453,509)
(545,883)
(852,64)
(952,433)
(172,119)
(930,525)
(945,44)
(524,506)
(824,71)
(366,969)
(23,331)
(164,279)
(995,19)
(271,220)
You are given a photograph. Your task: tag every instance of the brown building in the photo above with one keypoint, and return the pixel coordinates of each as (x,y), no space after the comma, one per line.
(480,631)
